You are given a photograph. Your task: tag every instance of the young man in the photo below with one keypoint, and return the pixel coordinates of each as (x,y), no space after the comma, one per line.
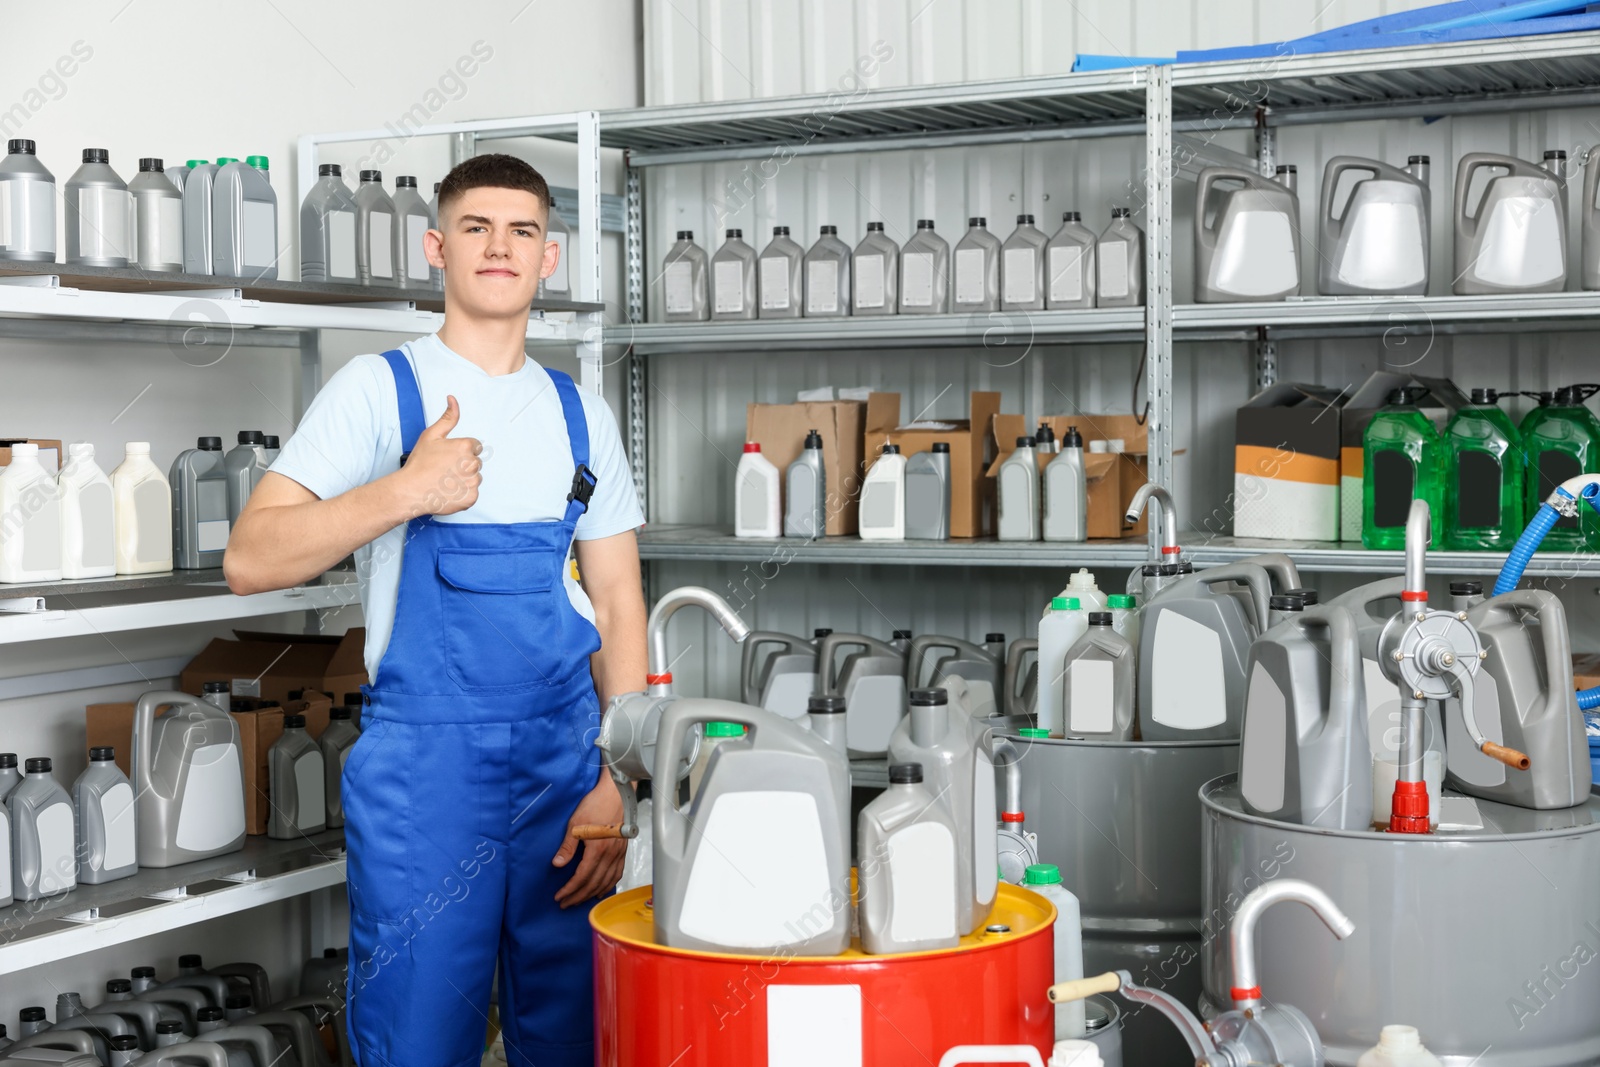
(460,472)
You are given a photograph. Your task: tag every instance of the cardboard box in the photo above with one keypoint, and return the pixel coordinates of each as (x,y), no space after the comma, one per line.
(268,666)
(1442,401)
(50,452)
(781,431)
(1113,477)
(1585,671)
(1286,457)
(969,445)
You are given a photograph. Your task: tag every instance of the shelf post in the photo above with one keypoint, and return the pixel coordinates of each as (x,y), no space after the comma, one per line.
(1158,279)
(1266,362)
(638,437)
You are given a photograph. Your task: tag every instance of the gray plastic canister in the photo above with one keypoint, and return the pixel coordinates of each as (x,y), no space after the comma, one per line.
(1513,238)
(43,860)
(98,214)
(1246,237)
(928,494)
(244,222)
(157,218)
(1377,243)
(102,804)
(376,223)
(297,787)
(27,206)
(197,189)
(200,523)
(328,230)
(411,226)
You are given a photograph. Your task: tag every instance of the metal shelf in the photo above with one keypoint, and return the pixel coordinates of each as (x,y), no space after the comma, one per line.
(156,900)
(1316,315)
(122,583)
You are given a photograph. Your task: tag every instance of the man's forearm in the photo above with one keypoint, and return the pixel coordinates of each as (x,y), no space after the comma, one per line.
(620,665)
(277,547)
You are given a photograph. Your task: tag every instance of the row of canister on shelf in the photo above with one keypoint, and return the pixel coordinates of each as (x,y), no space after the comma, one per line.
(230,1006)
(82,524)
(1029,271)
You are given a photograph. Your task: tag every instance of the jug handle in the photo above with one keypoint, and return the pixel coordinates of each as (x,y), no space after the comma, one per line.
(1347,693)
(1361,599)
(1330,183)
(144,721)
(1015,655)
(919,652)
(1552,628)
(1203,234)
(307,1046)
(1280,566)
(671,824)
(1251,575)
(258,1037)
(828,651)
(1591,182)
(79,1041)
(212,1054)
(1470,164)
(749,692)
(334,1012)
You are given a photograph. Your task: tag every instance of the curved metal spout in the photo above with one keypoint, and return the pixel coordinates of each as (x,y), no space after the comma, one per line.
(1246,992)
(1418,534)
(660,679)
(1169,515)
(1005,754)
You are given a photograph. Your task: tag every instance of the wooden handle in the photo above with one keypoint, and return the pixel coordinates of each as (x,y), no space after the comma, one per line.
(596,833)
(1079,988)
(1509,756)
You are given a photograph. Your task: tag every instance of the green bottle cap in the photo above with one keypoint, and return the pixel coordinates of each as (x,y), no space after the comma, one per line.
(1119,600)
(1064,603)
(1033,732)
(724,729)
(1042,874)
(258,162)
(223,161)
(196,162)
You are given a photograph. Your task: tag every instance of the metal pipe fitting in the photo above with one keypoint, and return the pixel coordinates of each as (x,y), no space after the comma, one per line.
(1419,531)
(1169,515)
(1242,936)
(656,628)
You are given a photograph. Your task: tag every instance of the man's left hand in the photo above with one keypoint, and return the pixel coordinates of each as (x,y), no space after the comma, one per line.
(601,866)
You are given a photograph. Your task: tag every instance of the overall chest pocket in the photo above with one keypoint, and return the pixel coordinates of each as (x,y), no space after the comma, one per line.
(502,617)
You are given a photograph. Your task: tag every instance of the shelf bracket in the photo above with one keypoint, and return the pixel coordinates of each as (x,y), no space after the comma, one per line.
(1266,145)
(178,892)
(381,305)
(33,281)
(85,917)
(242,877)
(203,294)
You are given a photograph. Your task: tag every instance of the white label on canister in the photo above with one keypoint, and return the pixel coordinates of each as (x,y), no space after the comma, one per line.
(680,288)
(1066,273)
(1188,689)
(341,246)
(103,215)
(1522,243)
(1091,688)
(99,525)
(969,276)
(1262,757)
(170,225)
(775,283)
(310,785)
(1257,256)
(728,282)
(985,845)
(814,1025)
(920,856)
(1114,269)
(260,234)
(116,815)
(1018,271)
(916,279)
(40,507)
(35,207)
(212,814)
(380,247)
(58,863)
(822,288)
(5,214)
(416,259)
(5,858)
(211,535)
(869,281)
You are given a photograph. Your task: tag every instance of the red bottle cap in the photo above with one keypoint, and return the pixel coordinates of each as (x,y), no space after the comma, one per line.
(752,446)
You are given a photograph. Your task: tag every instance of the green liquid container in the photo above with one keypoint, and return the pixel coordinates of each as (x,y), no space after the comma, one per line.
(1483,477)
(1401,462)
(1562,441)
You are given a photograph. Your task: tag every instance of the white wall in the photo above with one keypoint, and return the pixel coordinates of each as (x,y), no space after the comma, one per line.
(196,78)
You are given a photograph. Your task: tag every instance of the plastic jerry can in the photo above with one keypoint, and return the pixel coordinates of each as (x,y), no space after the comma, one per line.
(957,766)
(1019,494)
(143,1015)
(760,860)
(826,716)
(6,845)
(411,224)
(558,286)
(102,802)
(1022,267)
(684,281)
(157,219)
(200,525)
(1513,237)
(924,272)
(875,273)
(976,281)
(806,492)
(883,498)
(242,466)
(778,672)
(328,230)
(102,1028)
(908,884)
(142,505)
(30,539)
(1402,454)
(338,738)
(1377,243)
(1045,879)
(757,496)
(1119,262)
(1398,1046)
(1195,646)
(928,494)
(1305,756)
(244,222)
(88,522)
(375,231)
(1064,621)
(1065,492)
(981,667)
(188,780)
(99,222)
(872,682)
(197,188)
(9,777)
(1589,216)
(733,279)
(298,783)
(1482,477)
(1523,698)
(1070,270)
(1561,441)
(1097,689)
(27,206)
(1246,237)
(326,975)
(827,276)
(778,276)
(43,862)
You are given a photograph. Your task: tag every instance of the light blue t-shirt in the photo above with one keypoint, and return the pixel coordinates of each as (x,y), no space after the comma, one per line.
(350,435)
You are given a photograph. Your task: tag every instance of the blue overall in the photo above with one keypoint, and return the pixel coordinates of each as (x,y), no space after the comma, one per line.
(477,745)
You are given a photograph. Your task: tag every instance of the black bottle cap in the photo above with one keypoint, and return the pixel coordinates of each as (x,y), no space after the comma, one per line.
(340,712)
(1024,442)
(822,631)
(813,439)
(1485,396)
(150,164)
(685,235)
(96,155)
(371,176)
(1122,213)
(1149,570)
(249,437)
(891,450)
(406,181)
(102,753)
(142,972)
(31,1015)
(1555,153)
(125,1043)
(1024,220)
(924,224)
(8,759)
(994,639)
(1185,567)
(169,1026)
(1284,602)
(780,231)
(270,440)
(1308,597)
(236,1001)
(207,1015)
(730,234)
(216,687)
(1044,433)
(1099,618)
(1566,396)
(1416,159)
(1071,216)
(20,146)
(119,985)
(1073,439)
(941,446)
(929,698)
(826,705)
(294,722)
(901,635)
(828,231)
(977,220)
(190,959)
(905,773)
(1406,395)
(1288,168)
(208,444)
(354,700)
(37,765)
(1468,588)
(874,227)
(1168,570)
(329,170)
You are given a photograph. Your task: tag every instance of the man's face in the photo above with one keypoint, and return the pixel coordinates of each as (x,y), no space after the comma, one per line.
(491,245)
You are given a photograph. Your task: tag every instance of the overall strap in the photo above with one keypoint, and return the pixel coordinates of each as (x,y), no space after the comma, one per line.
(405,387)
(583,479)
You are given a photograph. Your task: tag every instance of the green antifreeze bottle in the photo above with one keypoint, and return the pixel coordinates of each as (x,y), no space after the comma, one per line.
(1562,441)
(1483,477)
(1401,462)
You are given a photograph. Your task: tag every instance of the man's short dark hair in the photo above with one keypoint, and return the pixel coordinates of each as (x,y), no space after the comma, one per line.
(496,170)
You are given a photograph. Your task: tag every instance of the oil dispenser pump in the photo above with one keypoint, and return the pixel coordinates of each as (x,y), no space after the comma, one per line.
(1254,1031)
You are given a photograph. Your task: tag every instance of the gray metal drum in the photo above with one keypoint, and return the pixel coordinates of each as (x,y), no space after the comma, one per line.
(1105,1028)
(1487,941)
(1122,820)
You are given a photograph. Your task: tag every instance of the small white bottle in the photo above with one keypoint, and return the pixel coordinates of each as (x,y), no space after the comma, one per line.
(1398,1046)
(1045,879)
(30,519)
(1063,623)
(1083,586)
(1022,267)
(757,496)
(1018,490)
(883,498)
(88,522)
(1076,1053)
(142,504)
(733,279)
(1070,272)
(828,276)
(1065,492)
(977,268)
(778,276)
(875,272)
(1120,256)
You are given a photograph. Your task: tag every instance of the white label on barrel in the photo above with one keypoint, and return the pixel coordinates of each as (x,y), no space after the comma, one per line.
(812,1025)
